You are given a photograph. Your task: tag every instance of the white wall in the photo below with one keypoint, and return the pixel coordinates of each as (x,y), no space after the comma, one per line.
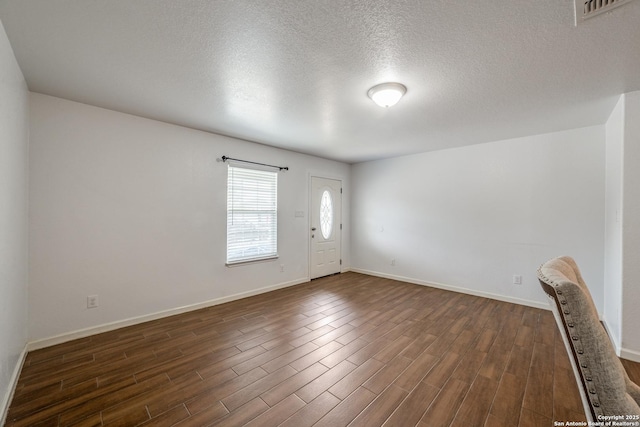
(472,217)
(134,211)
(613,223)
(631,229)
(13,218)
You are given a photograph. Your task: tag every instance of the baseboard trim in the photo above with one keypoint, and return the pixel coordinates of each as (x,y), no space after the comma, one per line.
(632,355)
(13,383)
(452,288)
(82,333)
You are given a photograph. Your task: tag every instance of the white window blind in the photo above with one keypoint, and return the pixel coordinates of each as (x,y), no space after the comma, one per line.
(252,214)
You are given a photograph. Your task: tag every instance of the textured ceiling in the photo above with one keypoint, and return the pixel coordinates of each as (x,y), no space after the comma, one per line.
(294,74)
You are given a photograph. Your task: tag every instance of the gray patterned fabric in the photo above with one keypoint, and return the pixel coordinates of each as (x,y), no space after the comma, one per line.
(606,385)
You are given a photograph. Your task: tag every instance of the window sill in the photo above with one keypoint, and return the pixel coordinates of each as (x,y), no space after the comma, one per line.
(252,261)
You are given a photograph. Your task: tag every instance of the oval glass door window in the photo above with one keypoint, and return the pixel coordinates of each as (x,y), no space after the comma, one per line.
(326,214)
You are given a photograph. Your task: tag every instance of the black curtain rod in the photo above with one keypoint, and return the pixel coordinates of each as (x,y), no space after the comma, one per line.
(225,158)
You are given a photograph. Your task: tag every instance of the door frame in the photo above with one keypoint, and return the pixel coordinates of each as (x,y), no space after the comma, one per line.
(310,207)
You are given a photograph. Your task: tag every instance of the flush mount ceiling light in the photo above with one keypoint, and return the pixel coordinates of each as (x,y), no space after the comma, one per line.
(387,94)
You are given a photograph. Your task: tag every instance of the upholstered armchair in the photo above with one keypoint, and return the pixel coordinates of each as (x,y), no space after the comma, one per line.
(604,385)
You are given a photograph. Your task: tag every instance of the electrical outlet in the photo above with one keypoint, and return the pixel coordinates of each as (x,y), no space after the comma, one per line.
(92,301)
(281,268)
(393,261)
(517,279)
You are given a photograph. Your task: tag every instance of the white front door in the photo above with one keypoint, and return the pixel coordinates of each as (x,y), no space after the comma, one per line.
(326,226)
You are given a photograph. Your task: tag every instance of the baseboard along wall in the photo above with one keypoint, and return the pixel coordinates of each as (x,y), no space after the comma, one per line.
(528,303)
(82,333)
(13,383)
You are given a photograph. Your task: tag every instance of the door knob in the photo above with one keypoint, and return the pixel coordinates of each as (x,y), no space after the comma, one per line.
(313,229)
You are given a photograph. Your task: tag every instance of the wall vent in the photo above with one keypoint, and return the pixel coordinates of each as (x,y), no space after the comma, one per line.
(586,9)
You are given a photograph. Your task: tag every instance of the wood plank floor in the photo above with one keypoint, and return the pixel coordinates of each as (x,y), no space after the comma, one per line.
(344,350)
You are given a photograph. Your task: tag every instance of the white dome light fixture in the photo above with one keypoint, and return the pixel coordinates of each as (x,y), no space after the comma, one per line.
(387,94)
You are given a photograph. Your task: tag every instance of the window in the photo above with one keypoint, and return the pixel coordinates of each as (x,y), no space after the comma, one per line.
(326,214)
(252,215)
